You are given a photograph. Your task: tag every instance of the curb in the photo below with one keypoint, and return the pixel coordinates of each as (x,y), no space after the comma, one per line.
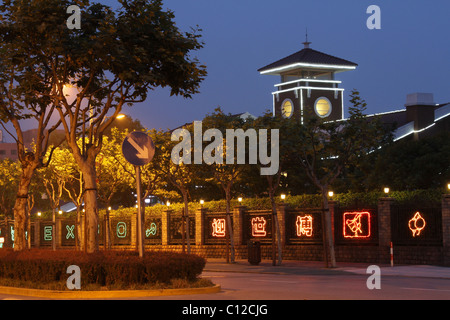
(67,295)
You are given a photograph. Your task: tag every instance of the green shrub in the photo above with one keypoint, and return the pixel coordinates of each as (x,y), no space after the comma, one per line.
(102,268)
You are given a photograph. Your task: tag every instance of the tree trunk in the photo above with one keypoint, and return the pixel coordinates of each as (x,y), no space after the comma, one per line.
(229,225)
(20,207)
(328,241)
(90,205)
(275,232)
(186,216)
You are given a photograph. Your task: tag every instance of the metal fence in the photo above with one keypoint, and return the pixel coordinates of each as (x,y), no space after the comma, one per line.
(416,225)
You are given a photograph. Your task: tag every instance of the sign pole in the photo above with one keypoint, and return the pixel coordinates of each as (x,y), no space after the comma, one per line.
(138,149)
(139,224)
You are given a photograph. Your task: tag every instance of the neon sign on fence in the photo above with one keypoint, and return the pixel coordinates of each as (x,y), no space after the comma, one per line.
(356,225)
(218,228)
(304,226)
(416,224)
(259,227)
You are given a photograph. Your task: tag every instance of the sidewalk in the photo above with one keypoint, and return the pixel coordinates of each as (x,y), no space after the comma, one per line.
(318,268)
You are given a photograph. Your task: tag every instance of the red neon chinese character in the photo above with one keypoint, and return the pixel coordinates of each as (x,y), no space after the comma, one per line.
(356,224)
(259,227)
(304,226)
(218,228)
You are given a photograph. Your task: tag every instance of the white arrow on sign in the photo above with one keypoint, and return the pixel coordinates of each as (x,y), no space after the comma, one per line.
(142,153)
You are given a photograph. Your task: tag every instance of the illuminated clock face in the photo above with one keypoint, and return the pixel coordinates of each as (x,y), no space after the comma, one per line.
(287,108)
(322,107)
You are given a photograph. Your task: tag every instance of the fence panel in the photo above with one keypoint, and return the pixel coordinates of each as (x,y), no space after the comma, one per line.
(356,226)
(175,228)
(304,226)
(121,231)
(257,225)
(416,225)
(153,228)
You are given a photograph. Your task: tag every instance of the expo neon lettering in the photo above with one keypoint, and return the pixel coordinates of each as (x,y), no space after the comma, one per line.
(70,234)
(121,230)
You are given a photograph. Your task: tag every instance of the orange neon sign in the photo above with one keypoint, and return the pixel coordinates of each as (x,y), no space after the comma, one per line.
(259,227)
(304,226)
(416,224)
(218,228)
(356,225)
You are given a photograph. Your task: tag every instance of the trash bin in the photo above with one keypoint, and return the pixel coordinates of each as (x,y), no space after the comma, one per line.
(254,252)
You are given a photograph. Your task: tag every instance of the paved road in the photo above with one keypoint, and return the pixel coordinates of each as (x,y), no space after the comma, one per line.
(311,281)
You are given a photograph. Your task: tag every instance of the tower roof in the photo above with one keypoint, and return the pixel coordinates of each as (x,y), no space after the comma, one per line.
(308,59)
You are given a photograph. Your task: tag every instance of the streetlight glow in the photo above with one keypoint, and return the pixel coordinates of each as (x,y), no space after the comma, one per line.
(283,196)
(120,116)
(386,190)
(330,193)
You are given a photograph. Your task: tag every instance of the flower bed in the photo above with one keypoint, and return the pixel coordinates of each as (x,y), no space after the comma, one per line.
(104,268)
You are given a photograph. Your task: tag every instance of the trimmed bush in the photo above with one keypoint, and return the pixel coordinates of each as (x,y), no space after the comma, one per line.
(102,268)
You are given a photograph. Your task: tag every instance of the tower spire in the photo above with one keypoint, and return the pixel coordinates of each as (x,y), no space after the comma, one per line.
(306,43)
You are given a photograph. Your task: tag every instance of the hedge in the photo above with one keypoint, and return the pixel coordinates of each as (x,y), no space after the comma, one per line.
(103,268)
(429,197)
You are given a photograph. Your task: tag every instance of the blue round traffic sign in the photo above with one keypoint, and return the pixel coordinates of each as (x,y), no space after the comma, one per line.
(138,148)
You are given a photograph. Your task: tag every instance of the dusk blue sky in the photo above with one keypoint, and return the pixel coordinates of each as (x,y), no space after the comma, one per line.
(411,52)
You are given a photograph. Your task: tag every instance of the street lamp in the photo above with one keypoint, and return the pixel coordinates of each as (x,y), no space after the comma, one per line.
(283,197)
(386,190)
(240,199)
(330,194)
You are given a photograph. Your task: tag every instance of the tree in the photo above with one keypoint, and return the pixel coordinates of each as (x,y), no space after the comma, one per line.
(9,180)
(89,74)
(224,167)
(24,94)
(177,173)
(286,146)
(324,149)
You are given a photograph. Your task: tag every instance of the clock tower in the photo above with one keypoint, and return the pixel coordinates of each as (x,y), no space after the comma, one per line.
(308,84)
